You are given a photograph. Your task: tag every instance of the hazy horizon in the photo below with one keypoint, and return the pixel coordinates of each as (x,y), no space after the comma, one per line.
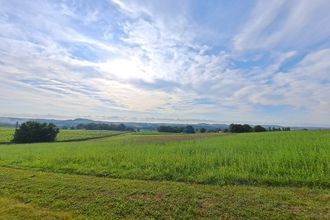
(165,120)
(257,62)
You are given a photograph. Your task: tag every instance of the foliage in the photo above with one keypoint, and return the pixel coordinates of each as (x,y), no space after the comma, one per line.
(189,129)
(279,129)
(202,130)
(173,129)
(238,128)
(102,126)
(259,128)
(32,131)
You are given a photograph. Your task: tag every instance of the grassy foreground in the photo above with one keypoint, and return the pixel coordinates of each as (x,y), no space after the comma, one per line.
(272,175)
(29,194)
(299,158)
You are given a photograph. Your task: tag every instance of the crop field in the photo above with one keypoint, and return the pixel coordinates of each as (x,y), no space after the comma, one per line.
(281,174)
(71,135)
(6,134)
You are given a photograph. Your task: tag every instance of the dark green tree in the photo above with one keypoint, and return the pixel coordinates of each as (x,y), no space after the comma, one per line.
(259,128)
(33,131)
(189,129)
(247,128)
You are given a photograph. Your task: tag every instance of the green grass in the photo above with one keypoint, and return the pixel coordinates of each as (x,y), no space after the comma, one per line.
(39,195)
(273,175)
(14,209)
(296,158)
(6,134)
(71,135)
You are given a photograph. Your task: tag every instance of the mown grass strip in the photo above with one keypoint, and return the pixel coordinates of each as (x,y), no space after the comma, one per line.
(96,197)
(14,209)
(93,138)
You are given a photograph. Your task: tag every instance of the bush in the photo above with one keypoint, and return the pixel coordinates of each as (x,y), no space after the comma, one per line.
(189,129)
(259,128)
(32,131)
(102,126)
(238,128)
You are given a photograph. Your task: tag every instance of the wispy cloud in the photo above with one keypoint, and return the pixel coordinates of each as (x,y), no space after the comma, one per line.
(258,61)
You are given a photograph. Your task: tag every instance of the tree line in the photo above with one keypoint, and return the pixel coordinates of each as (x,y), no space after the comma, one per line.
(102,126)
(233,128)
(239,128)
(173,129)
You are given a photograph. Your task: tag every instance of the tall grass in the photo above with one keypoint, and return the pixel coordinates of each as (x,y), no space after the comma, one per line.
(299,158)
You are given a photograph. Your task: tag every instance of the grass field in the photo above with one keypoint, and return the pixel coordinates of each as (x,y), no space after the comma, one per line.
(27,194)
(262,175)
(6,134)
(279,158)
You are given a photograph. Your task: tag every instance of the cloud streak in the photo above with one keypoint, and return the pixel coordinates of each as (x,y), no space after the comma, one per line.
(158,59)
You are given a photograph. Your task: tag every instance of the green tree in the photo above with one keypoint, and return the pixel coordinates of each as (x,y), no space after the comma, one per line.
(33,131)
(259,128)
(247,128)
(189,129)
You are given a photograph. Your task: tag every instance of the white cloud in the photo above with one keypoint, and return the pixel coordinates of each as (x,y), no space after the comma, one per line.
(154,64)
(285,24)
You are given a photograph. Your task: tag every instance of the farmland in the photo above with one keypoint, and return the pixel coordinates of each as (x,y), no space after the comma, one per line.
(6,134)
(281,174)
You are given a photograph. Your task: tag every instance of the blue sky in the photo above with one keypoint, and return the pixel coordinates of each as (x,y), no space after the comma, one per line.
(176,61)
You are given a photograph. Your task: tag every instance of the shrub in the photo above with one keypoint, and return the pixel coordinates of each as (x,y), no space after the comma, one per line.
(189,129)
(32,131)
(259,128)
(238,128)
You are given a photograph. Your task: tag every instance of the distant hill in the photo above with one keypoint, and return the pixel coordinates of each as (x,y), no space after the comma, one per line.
(8,121)
(11,122)
(4,121)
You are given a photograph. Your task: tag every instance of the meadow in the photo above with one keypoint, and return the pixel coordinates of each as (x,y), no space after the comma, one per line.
(262,175)
(300,158)
(6,135)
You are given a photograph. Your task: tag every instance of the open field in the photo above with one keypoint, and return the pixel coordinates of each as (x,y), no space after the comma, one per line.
(262,175)
(6,134)
(275,158)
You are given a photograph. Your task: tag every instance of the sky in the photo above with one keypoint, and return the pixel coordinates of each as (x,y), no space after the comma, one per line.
(166,60)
